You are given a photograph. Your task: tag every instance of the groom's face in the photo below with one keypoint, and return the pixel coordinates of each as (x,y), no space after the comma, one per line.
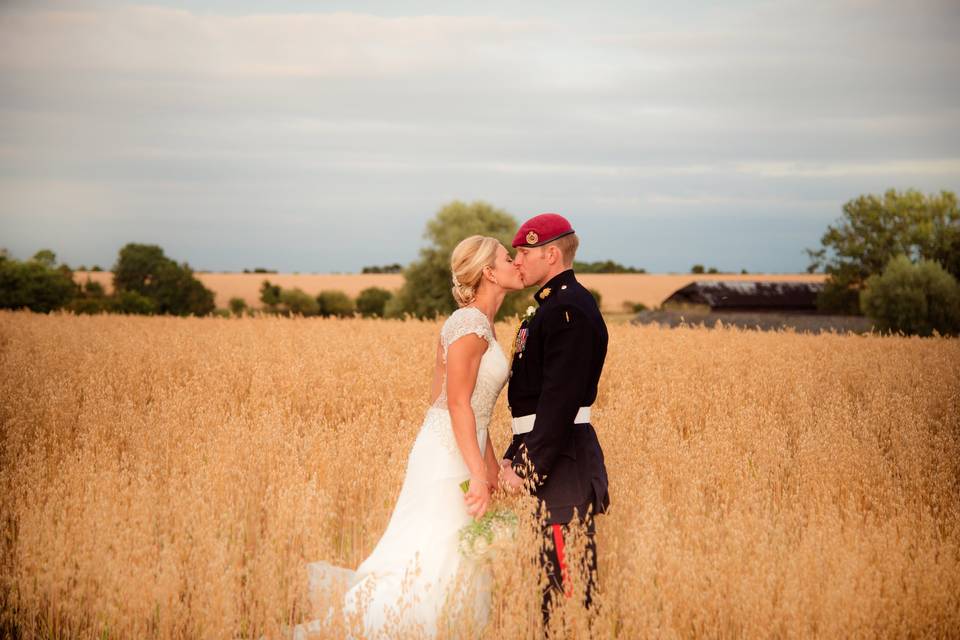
(532,264)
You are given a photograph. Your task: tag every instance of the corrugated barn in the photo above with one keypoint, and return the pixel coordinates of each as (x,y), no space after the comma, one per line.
(740,295)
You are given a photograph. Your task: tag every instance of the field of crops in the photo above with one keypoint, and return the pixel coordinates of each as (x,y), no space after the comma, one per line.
(169,477)
(615,288)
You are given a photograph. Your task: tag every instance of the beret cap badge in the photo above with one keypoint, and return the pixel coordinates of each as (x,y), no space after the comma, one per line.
(541,229)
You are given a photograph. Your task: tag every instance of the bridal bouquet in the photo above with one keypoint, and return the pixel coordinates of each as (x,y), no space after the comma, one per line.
(496,530)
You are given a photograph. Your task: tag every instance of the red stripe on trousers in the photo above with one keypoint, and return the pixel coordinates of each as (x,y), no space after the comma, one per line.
(558,541)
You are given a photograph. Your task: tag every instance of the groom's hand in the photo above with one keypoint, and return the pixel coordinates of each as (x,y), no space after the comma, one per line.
(508,477)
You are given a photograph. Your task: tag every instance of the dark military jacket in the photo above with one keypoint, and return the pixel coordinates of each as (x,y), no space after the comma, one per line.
(558,357)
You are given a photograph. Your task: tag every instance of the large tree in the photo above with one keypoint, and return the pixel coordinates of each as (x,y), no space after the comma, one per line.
(873,230)
(426,292)
(144,269)
(36,284)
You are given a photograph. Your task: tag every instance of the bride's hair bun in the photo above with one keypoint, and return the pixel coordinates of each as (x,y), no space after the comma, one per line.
(466,266)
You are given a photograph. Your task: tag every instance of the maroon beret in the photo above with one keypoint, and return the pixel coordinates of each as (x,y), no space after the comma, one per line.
(541,229)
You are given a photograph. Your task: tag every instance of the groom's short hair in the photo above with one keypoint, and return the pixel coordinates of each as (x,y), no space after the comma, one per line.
(568,247)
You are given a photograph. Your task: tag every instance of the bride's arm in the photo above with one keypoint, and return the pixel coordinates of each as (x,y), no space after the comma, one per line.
(463,364)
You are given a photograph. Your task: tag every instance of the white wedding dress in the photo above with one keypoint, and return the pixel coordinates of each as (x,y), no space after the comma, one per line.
(409,573)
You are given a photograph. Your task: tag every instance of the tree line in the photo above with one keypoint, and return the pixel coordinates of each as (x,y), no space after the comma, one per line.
(893,257)
(145,281)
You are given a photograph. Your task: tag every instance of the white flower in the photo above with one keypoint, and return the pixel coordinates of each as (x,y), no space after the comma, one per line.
(480,545)
(531,310)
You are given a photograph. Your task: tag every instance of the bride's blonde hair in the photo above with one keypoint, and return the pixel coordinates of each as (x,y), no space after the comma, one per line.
(466,266)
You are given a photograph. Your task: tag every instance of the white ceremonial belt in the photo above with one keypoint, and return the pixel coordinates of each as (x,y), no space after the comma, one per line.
(524,424)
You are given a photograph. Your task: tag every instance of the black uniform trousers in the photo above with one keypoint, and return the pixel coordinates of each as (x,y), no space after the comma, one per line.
(555,563)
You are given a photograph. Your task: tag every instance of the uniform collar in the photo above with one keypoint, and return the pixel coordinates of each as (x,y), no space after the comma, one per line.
(553,285)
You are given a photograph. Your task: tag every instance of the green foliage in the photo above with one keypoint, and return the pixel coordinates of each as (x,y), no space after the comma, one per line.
(93,289)
(712,270)
(238,306)
(334,303)
(372,301)
(35,284)
(839,299)
(697,268)
(634,307)
(178,292)
(913,298)
(389,268)
(174,290)
(873,230)
(270,295)
(132,302)
(92,299)
(46,257)
(426,290)
(605,266)
(89,306)
(136,267)
(296,302)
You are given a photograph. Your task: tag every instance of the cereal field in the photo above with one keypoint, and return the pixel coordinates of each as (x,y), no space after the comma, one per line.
(168,477)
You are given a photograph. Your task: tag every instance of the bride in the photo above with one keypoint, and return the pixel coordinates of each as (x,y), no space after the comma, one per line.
(406,580)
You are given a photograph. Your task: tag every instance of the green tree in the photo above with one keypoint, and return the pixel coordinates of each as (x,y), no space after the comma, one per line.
(137,266)
(334,303)
(697,268)
(426,289)
(296,301)
(873,230)
(270,295)
(388,268)
(46,257)
(178,292)
(35,284)
(372,301)
(173,288)
(237,305)
(913,298)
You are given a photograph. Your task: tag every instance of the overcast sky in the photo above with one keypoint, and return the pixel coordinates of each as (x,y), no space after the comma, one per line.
(321,136)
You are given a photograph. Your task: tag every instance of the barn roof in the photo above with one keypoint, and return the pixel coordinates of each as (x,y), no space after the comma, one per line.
(743,294)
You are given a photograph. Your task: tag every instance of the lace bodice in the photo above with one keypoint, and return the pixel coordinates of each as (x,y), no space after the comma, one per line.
(492,375)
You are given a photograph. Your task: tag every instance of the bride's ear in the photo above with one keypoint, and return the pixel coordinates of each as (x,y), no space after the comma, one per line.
(490,275)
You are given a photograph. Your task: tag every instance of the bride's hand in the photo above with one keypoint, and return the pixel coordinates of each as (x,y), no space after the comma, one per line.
(477,497)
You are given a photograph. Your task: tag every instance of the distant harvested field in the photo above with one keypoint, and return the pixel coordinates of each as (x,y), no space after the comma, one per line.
(166,477)
(615,288)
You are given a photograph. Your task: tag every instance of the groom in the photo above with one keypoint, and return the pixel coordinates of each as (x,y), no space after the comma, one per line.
(558,357)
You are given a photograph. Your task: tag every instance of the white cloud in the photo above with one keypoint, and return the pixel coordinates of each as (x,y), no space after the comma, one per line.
(783,110)
(162,40)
